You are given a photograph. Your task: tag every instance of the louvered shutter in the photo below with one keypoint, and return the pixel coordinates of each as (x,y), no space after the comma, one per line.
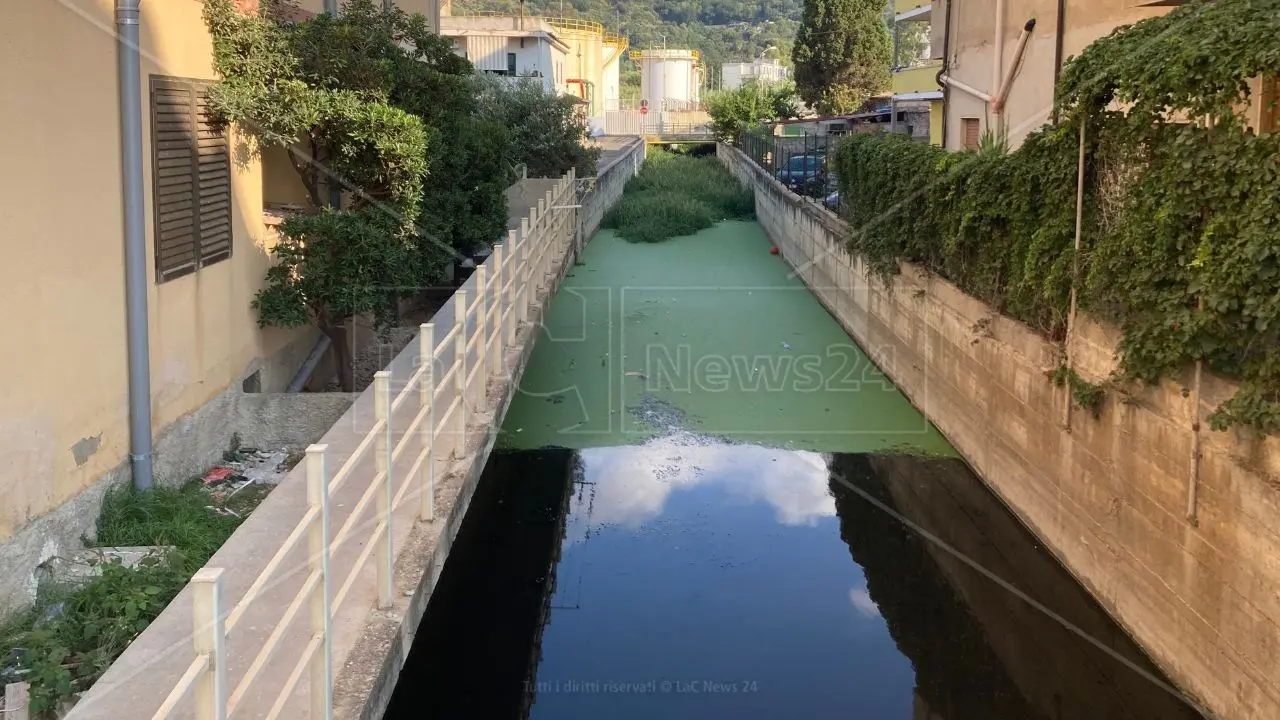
(192,179)
(972,132)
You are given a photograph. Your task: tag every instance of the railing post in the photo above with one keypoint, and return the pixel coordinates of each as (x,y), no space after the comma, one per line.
(385,554)
(482,330)
(553,227)
(460,357)
(525,274)
(210,641)
(427,401)
(512,274)
(500,276)
(540,241)
(17,701)
(321,613)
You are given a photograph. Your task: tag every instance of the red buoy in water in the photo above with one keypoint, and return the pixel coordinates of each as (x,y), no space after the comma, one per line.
(773,250)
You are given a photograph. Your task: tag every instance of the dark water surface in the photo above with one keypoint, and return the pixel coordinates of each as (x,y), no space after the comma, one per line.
(688,578)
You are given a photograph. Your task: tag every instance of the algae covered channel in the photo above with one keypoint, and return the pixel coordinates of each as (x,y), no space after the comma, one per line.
(708,502)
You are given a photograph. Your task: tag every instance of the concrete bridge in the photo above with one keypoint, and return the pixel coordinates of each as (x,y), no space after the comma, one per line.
(678,134)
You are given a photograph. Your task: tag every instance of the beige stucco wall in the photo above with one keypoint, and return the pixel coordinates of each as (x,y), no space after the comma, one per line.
(1106,496)
(63,423)
(1030,98)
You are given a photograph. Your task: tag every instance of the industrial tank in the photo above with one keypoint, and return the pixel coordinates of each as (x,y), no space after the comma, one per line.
(669,79)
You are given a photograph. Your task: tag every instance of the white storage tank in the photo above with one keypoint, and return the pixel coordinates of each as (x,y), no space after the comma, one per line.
(669,79)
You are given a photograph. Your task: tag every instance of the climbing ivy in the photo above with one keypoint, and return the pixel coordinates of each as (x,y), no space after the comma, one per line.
(1086,395)
(1181,234)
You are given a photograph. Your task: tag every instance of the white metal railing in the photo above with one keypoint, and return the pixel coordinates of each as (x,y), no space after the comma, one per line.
(520,272)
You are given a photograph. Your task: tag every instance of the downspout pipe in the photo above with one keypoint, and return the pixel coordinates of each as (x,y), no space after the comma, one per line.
(952,82)
(1060,32)
(946,62)
(309,365)
(1006,82)
(998,64)
(129,80)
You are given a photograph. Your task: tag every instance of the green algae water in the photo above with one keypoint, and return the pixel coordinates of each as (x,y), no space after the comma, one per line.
(710,333)
(708,503)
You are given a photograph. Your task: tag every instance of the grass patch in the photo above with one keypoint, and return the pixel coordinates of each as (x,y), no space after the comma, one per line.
(677,194)
(164,516)
(64,643)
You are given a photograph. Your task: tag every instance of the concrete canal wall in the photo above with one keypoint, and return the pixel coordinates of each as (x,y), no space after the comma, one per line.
(1109,496)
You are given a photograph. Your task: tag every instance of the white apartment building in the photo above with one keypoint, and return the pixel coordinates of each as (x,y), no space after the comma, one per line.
(765,72)
(511,47)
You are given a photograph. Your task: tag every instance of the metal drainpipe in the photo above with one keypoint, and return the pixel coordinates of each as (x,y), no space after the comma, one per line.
(946,63)
(129,77)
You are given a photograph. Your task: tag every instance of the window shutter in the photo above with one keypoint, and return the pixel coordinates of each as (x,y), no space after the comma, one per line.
(972,135)
(215,184)
(192,179)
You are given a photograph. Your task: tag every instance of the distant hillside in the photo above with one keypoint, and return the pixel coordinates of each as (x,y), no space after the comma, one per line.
(722,30)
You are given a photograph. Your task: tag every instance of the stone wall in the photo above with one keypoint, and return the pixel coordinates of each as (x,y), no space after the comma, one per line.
(1109,496)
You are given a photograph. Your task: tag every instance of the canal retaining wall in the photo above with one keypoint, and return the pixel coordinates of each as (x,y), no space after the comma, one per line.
(1198,589)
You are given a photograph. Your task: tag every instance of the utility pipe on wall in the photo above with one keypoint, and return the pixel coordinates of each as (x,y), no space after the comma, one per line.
(998,64)
(129,79)
(952,82)
(1002,90)
(1075,280)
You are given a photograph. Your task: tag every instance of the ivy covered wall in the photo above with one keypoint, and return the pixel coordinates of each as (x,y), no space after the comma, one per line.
(1180,225)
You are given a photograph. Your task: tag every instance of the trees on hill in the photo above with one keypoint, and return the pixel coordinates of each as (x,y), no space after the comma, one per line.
(842,54)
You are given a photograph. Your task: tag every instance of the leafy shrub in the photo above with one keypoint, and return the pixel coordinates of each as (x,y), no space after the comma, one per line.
(75,631)
(732,111)
(677,195)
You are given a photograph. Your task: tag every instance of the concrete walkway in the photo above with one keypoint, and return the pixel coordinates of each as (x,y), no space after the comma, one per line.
(369,644)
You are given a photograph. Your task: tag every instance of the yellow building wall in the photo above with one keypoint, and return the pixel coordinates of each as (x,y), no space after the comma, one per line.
(62,279)
(1029,102)
(281,184)
(935,122)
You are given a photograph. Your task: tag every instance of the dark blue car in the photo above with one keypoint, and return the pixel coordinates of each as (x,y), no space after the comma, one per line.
(802,170)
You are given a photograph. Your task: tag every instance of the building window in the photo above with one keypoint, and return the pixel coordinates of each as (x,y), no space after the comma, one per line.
(191,178)
(970,133)
(511,63)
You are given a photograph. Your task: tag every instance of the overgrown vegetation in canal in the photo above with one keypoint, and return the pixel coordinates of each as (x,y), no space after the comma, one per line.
(678,194)
(76,629)
(1179,239)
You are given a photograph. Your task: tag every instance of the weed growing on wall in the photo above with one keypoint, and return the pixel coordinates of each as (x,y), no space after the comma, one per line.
(1181,234)
(677,194)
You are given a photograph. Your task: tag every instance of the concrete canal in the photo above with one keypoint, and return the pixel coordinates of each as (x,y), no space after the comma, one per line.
(707,502)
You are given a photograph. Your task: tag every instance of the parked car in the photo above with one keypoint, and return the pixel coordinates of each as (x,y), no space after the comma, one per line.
(832,201)
(802,170)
